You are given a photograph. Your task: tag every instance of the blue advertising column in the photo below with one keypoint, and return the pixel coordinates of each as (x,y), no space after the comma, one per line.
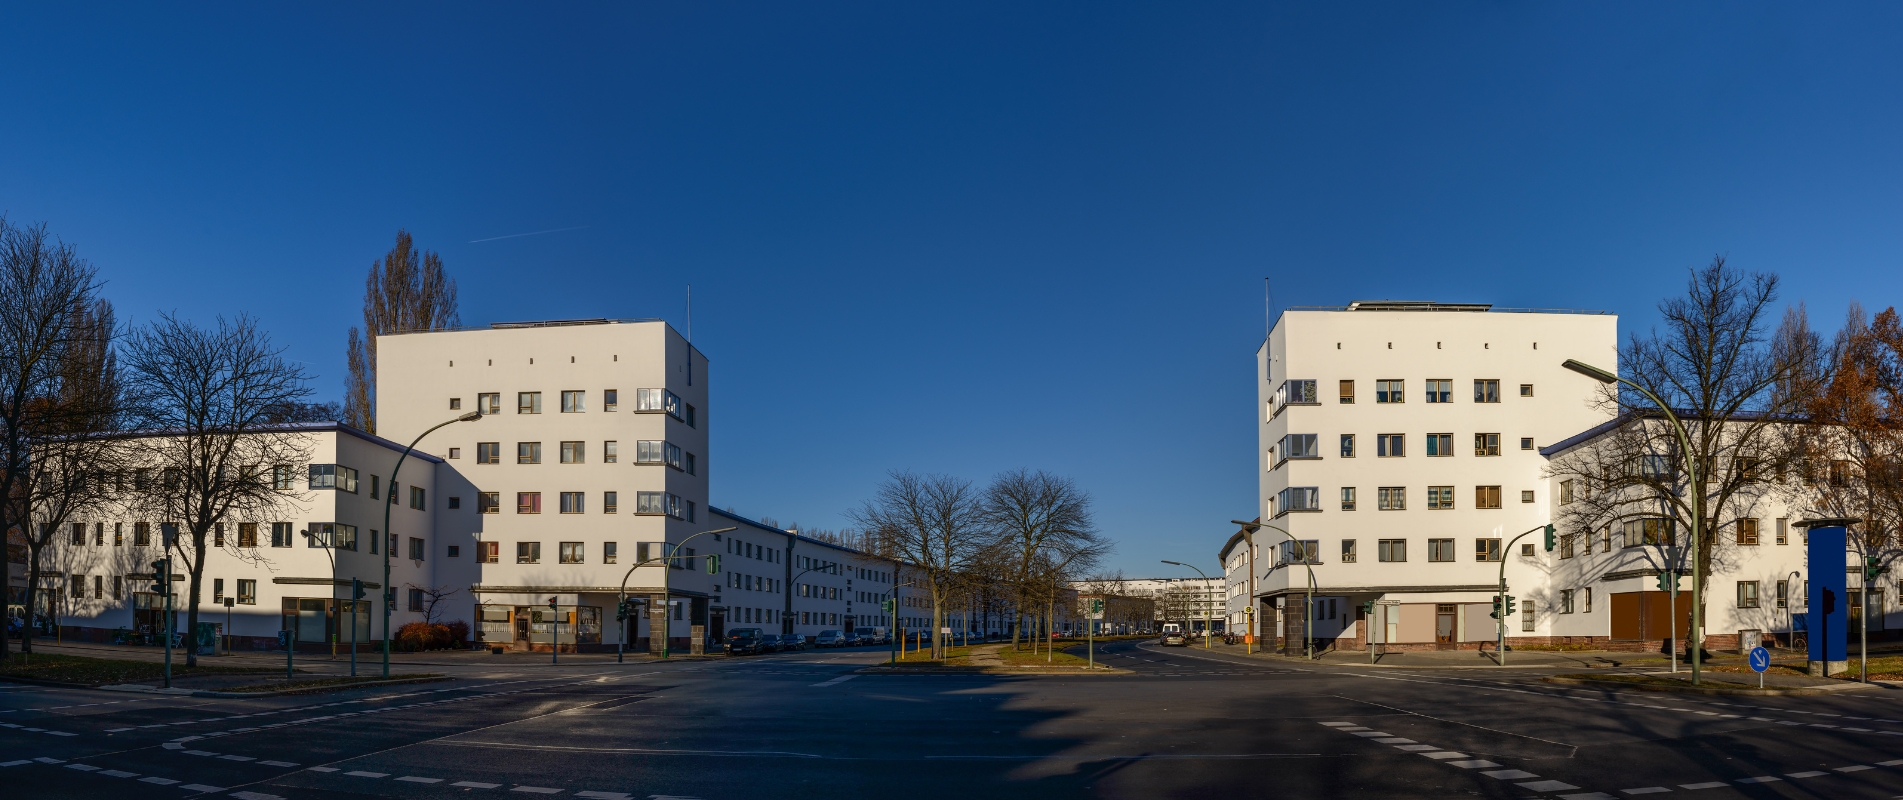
(1827,594)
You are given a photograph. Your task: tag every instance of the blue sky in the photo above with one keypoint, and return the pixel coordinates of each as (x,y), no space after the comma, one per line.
(960,237)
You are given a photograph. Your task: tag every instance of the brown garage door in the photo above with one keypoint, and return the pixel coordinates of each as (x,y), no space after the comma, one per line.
(1645,615)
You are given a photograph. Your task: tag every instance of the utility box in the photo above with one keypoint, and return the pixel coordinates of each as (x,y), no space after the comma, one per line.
(205,639)
(697,640)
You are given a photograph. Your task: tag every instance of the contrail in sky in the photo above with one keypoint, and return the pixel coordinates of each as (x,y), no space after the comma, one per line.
(531,233)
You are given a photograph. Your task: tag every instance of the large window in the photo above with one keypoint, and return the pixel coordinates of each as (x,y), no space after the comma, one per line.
(1747,594)
(572,402)
(1648,532)
(1391,550)
(1440,444)
(528,402)
(1440,498)
(1440,550)
(1388,392)
(489,403)
(1298,498)
(572,502)
(657,401)
(1299,445)
(528,502)
(1486,391)
(1440,391)
(1486,497)
(1306,551)
(333,476)
(574,452)
(1487,549)
(1390,445)
(1486,444)
(334,535)
(1390,498)
(1296,392)
(1748,531)
(528,552)
(572,553)
(528,452)
(488,452)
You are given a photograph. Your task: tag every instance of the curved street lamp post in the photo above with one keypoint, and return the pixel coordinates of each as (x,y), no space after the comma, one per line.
(1308,561)
(1200,601)
(389,591)
(666,559)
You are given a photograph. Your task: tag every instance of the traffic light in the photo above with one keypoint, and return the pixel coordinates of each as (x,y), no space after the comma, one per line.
(885,606)
(1368,608)
(1511,608)
(1496,608)
(162,576)
(1552,539)
(356,589)
(621,611)
(1668,582)
(551,604)
(1871,567)
(713,564)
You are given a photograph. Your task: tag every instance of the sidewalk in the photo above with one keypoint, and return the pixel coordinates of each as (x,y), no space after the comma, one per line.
(1458,659)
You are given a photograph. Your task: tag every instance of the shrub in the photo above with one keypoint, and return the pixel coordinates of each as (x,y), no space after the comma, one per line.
(418,636)
(458,633)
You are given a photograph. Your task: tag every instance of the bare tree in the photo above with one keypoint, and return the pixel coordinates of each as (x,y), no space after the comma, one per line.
(1736,387)
(1044,528)
(211,401)
(405,291)
(433,596)
(46,296)
(936,523)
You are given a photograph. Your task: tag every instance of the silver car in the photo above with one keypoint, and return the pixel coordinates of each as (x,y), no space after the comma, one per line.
(792,641)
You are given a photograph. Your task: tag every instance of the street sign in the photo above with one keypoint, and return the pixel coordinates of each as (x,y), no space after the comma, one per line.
(1760,661)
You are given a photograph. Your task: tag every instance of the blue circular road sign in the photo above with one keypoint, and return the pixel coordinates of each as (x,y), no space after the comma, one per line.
(1760,659)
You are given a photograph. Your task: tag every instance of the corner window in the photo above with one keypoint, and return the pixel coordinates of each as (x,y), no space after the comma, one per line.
(528,402)
(1306,551)
(572,402)
(333,476)
(658,401)
(1298,498)
(1299,445)
(1296,393)
(1486,391)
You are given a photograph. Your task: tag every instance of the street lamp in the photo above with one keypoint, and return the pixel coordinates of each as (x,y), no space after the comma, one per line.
(1697,504)
(1201,602)
(1308,560)
(310,537)
(389,591)
(666,561)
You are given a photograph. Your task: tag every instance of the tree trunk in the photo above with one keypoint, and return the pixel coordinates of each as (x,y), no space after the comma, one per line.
(32,594)
(191,616)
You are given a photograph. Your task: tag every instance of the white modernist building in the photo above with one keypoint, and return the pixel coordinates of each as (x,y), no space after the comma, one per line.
(1405,445)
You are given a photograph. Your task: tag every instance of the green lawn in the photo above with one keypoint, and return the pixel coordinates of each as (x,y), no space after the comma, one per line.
(101,671)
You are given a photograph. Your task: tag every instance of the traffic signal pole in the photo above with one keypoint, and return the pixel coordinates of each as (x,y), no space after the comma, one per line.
(1503,604)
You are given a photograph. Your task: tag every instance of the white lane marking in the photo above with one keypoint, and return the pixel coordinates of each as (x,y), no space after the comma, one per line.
(362,774)
(536,790)
(1646,790)
(1854,768)
(1509,774)
(1805,774)
(1760,779)
(414,779)
(475,785)
(1707,785)
(1546,786)
(1474,764)
(840,679)
(119,773)
(199,787)
(159,781)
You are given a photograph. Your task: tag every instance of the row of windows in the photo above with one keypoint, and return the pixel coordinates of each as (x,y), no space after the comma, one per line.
(650,503)
(1660,531)
(1394,550)
(345,479)
(576,452)
(752,583)
(1386,445)
(575,401)
(283,534)
(77,585)
(1387,498)
(1306,392)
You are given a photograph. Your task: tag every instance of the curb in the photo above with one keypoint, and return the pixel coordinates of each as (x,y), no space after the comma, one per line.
(990,671)
(1689,689)
(322,689)
(43,682)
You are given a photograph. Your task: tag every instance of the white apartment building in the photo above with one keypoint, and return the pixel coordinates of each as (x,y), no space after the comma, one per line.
(1404,445)
(1189,600)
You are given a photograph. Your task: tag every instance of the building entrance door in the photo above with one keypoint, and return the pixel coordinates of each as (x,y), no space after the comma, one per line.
(717,623)
(522,627)
(1444,622)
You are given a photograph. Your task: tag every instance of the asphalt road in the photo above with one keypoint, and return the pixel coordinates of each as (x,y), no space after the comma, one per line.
(1187,724)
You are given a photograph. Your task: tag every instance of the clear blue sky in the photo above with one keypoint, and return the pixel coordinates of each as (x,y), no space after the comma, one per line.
(959,237)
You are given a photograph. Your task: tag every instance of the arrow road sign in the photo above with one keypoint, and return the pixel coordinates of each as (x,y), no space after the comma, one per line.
(1760,659)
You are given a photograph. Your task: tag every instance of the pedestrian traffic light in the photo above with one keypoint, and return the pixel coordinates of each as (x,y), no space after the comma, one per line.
(713,564)
(1552,539)
(1871,567)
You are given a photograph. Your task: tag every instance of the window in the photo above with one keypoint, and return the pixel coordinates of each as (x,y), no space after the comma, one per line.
(528,552)
(454,452)
(1298,498)
(1299,445)
(1566,545)
(574,452)
(418,498)
(528,402)
(608,552)
(490,403)
(1486,391)
(688,463)
(1646,532)
(1487,549)
(528,452)
(417,548)
(1391,550)
(454,551)
(1783,531)
(650,452)
(689,417)
(1347,551)
(650,502)
(1440,444)
(1348,392)
(1526,550)
(610,399)
(1526,495)
(1748,531)
(1388,392)
(1440,391)
(1440,550)
(1565,492)
(1347,445)
(1390,498)
(488,452)
(1440,497)
(1747,594)
(657,401)
(217,589)
(1526,390)
(610,502)
(1486,444)
(571,502)
(1486,497)
(1589,599)
(488,502)
(142,534)
(1526,443)
(455,403)
(1347,498)
(281,477)
(572,402)
(488,552)
(528,502)
(641,553)
(280,534)
(333,476)
(610,452)
(571,552)
(1565,601)
(1526,615)
(1295,392)
(334,535)
(247,534)
(1783,594)
(79,534)
(1307,551)
(455,502)
(1390,445)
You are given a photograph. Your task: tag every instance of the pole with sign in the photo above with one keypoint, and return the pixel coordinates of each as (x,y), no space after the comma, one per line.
(1760,661)
(1090,629)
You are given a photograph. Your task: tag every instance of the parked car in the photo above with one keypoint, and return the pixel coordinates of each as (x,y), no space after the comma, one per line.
(792,641)
(1175,639)
(745,641)
(830,639)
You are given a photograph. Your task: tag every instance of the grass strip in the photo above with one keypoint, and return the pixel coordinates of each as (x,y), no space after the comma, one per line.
(326,683)
(100,671)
